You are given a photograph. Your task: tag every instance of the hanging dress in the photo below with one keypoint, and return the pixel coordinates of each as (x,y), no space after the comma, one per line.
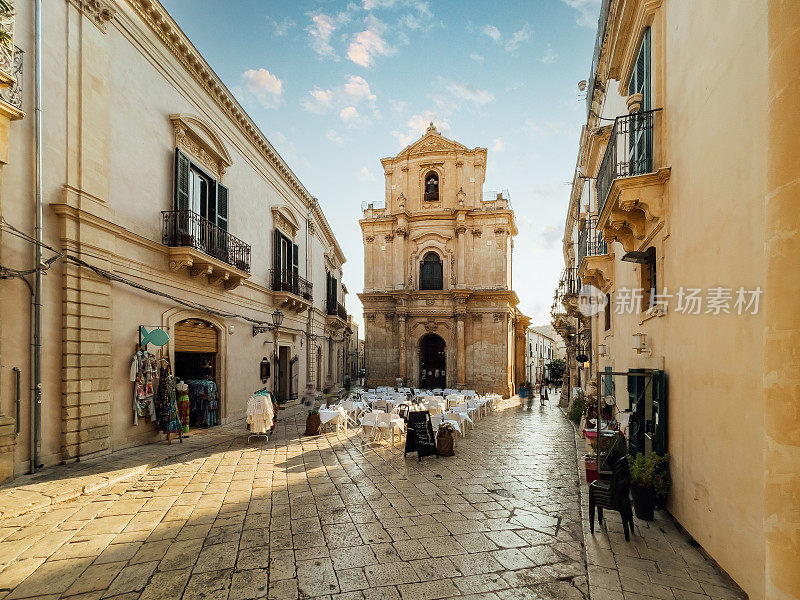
(182,391)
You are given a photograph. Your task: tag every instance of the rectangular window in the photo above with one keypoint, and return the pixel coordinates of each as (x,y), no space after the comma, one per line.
(648,279)
(285,264)
(608,312)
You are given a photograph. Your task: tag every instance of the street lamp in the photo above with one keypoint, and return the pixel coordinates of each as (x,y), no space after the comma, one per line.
(277,317)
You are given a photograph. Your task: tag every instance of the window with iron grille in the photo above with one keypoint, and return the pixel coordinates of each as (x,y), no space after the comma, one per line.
(431,272)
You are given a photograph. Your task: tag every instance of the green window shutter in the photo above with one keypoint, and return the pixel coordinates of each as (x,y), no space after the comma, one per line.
(222,207)
(660,412)
(181,196)
(295,259)
(276,253)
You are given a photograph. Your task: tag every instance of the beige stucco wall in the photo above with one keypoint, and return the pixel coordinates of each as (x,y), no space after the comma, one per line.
(709,75)
(108,155)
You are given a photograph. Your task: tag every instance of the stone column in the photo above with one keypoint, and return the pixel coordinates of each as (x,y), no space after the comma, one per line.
(460,255)
(401,332)
(461,351)
(782,322)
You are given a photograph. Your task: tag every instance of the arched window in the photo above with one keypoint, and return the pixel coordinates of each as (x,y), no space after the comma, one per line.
(430,274)
(432,187)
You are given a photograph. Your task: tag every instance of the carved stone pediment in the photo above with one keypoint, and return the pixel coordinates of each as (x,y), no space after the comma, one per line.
(285,220)
(199,140)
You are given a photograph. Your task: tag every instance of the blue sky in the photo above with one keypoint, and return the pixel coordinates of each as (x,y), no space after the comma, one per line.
(337,85)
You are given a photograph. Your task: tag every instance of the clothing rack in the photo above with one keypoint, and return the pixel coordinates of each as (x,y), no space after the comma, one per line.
(262,392)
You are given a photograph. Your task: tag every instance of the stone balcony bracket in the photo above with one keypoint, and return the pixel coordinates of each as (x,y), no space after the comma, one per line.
(290,302)
(634,208)
(597,271)
(198,263)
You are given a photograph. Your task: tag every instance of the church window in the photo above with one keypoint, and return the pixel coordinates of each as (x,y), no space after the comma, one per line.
(431,272)
(432,187)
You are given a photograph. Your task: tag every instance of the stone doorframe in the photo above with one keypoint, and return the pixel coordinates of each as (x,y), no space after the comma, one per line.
(172,317)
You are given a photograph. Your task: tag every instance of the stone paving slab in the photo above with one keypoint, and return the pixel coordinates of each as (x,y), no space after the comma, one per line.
(65,482)
(659,562)
(320,517)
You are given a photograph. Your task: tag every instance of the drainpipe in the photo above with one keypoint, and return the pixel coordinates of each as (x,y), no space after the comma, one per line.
(309,356)
(36,326)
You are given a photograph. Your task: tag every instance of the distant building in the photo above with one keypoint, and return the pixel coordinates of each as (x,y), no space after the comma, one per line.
(439,306)
(540,349)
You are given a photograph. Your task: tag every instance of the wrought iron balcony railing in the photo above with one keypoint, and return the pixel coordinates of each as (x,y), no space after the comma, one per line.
(590,240)
(284,280)
(187,229)
(629,151)
(12,94)
(570,283)
(336,309)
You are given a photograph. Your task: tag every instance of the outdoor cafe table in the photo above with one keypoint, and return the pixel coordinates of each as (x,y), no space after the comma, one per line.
(369,420)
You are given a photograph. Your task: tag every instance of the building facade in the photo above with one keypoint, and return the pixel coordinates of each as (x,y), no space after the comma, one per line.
(540,349)
(174,212)
(439,307)
(681,251)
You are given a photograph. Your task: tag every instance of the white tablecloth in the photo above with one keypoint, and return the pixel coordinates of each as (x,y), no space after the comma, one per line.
(326,415)
(369,420)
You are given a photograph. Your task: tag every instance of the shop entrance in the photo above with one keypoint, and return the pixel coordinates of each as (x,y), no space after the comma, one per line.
(196,364)
(432,362)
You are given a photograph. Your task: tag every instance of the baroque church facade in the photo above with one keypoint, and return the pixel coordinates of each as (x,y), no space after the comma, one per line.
(439,307)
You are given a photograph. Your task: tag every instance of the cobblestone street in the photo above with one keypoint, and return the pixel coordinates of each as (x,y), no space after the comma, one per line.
(323,518)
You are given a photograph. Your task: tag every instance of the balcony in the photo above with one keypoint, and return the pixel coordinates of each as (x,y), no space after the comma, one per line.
(12,93)
(594,262)
(630,185)
(203,248)
(336,311)
(292,291)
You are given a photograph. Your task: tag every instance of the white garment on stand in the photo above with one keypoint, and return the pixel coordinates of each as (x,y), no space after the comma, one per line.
(259,413)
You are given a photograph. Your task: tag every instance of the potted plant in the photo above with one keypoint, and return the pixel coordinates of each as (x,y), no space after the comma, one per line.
(650,482)
(444,439)
(313,422)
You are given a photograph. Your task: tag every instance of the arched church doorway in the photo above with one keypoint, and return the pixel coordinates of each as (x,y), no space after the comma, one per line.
(432,362)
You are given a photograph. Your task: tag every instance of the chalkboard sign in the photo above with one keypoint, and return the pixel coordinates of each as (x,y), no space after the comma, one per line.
(419,436)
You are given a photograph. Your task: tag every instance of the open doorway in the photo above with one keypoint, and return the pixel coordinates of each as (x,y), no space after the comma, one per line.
(432,362)
(282,375)
(197,365)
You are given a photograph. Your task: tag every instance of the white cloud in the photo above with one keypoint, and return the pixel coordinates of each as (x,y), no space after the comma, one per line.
(319,101)
(463,91)
(368,44)
(283,26)
(493,32)
(418,123)
(343,99)
(478,58)
(549,56)
(373,4)
(264,86)
(498,145)
(517,38)
(348,114)
(321,30)
(357,89)
(588,11)
(364,174)
(334,137)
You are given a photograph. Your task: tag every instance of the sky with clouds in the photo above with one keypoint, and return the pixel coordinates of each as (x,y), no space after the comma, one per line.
(337,85)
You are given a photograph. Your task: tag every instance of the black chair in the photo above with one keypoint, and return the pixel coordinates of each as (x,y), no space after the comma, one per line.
(613,495)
